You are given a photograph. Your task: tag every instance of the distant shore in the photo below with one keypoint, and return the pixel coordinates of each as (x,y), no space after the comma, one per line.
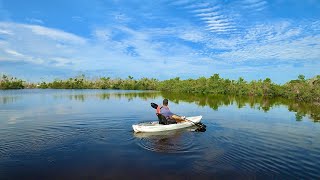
(300,89)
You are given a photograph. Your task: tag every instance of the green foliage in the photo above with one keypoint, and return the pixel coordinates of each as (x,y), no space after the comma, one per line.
(7,82)
(301,89)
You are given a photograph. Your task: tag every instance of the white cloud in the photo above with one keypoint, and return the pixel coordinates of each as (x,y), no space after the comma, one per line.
(315,25)
(60,61)
(299,49)
(217,23)
(105,50)
(280,41)
(36,44)
(55,34)
(254,5)
(198,5)
(209,14)
(205,10)
(15,56)
(152,49)
(102,34)
(192,35)
(201,38)
(212,16)
(14,53)
(5,32)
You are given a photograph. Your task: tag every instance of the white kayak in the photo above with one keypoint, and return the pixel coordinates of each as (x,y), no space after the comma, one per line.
(156,127)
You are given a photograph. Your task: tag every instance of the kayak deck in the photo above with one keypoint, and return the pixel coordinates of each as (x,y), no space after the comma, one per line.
(156,127)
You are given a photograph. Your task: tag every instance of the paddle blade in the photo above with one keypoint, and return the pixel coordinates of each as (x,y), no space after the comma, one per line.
(201,127)
(199,124)
(154,105)
(201,130)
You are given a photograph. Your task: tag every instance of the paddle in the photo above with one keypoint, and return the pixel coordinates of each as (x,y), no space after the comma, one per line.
(201,126)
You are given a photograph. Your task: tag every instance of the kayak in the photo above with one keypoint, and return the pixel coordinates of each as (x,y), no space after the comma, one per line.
(163,134)
(156,127)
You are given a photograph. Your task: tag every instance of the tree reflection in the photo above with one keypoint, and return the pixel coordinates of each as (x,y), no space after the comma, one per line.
(302,109)
(215,101)
(265,104)
(8,99)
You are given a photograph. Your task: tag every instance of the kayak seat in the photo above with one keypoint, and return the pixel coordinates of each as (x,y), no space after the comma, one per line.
(163,120)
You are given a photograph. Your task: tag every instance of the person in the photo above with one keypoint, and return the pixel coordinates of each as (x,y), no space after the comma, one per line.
(170,117)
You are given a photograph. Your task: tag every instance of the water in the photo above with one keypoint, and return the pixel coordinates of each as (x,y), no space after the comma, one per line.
(87,134)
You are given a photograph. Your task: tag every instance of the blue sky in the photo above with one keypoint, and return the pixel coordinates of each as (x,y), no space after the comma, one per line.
(254,39)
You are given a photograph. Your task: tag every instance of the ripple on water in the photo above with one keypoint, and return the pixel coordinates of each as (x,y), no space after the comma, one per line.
(33,139)
(269,153)
(175,141)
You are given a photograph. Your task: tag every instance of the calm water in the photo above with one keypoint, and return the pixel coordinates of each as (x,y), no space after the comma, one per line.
(87,134)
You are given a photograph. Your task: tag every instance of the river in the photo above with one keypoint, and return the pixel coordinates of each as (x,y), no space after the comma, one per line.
(87,134)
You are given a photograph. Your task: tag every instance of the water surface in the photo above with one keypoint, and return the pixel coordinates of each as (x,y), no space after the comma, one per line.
(85,134)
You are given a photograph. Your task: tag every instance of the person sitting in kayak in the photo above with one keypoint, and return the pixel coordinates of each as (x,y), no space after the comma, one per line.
(170,118)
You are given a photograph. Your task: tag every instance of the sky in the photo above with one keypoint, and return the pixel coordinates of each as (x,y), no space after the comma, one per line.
(254,39)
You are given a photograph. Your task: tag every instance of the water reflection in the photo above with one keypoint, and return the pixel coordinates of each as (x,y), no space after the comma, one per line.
(215,101)
(117,95)
(57,130)
(265,104)
(175,141)
(8,99)
(309,110)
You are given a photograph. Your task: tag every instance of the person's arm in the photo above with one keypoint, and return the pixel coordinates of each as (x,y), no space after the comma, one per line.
(158,110)
(177,118)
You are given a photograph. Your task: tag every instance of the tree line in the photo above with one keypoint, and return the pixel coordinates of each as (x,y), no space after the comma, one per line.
(300,89)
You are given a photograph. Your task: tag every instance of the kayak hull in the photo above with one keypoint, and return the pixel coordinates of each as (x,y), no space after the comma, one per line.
(156,127)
